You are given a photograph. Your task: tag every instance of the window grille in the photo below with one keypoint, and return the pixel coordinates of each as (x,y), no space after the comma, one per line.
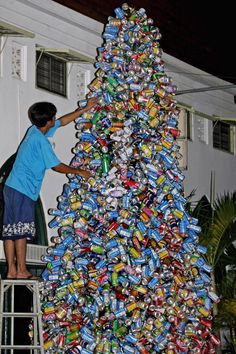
(222,136)
(51,73)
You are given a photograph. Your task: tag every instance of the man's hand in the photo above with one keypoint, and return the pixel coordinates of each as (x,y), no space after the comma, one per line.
(62,168)
(91,102)
(70,117)
(83,173)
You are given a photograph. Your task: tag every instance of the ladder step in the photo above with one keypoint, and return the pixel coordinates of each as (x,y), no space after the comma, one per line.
(19,314)
(21,346)
(23,282)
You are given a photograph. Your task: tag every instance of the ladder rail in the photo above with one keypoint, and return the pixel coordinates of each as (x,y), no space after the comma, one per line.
(40,323)
(1,310)
(12,289)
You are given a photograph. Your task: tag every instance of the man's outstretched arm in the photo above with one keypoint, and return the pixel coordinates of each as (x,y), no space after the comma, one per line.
(62,168)
(70,117)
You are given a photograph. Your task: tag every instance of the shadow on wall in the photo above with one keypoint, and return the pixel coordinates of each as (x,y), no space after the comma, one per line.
(41,229)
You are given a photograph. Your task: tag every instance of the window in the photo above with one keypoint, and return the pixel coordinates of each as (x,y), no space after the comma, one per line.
(3,42)
(51,73)
(185,127)
(185,124)
(222,136)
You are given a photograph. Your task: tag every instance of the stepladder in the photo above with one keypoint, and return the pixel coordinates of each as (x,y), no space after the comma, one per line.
(20,317)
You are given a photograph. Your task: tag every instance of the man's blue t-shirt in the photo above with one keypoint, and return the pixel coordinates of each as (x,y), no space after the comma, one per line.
(35,155)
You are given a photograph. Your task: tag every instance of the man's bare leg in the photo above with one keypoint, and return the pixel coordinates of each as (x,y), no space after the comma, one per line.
(9,248)
(21,271)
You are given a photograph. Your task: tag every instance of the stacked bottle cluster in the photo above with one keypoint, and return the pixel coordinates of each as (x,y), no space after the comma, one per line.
(126,274)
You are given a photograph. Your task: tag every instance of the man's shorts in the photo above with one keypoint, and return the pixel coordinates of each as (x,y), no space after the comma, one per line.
(19,215)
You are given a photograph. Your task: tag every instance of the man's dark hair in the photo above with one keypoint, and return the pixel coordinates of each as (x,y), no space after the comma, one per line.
(41,112)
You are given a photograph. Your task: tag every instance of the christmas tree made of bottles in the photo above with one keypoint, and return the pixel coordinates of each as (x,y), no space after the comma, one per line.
(125,272)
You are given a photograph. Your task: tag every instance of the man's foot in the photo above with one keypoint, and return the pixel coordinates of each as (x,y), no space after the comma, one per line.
(30,277)
(11,276)
(25,275)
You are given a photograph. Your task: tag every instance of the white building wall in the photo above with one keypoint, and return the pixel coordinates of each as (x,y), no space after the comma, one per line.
(56,26)
(202,159)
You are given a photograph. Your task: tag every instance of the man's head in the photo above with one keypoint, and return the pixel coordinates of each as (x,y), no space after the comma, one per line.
(40,113)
